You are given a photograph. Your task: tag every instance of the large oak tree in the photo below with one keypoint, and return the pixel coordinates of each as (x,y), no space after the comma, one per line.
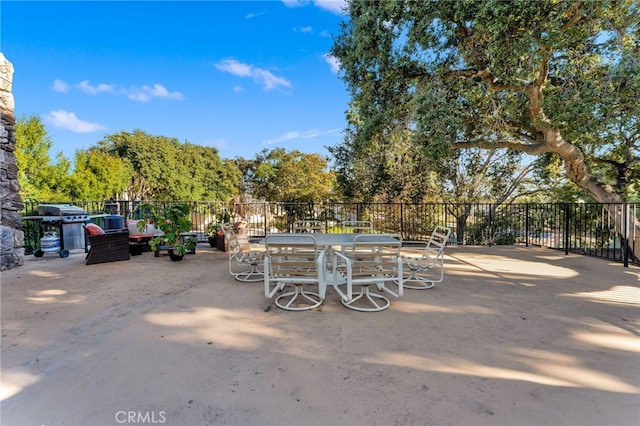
(546,78)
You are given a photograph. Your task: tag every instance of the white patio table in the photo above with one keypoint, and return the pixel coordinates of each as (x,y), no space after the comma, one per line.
(330,242)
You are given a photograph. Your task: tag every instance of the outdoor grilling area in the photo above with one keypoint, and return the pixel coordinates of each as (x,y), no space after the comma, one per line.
(61,228)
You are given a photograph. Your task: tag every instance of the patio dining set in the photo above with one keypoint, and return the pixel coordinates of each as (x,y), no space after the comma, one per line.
(363,267)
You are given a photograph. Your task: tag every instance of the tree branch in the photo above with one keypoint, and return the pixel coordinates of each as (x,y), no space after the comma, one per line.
(531,149)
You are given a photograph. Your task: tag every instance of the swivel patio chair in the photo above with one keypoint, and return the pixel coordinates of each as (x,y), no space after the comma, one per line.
(244,264)
(432,258)
(372,261)
(307,226)
(357,226)
(300,263)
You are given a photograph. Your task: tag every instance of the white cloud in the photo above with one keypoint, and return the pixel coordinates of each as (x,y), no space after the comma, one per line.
(93,90)
(333,62)
(333,6)
(140,94)
(303,29)
(69,121)
(311,134)
(269,80)
(234,67)
(292,135)
(295,3)
(264,77)
(60,86)
(146,93)
(253,15)
(283,138)
(238,89)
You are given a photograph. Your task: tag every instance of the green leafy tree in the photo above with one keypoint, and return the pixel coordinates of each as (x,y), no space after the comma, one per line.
(278,175)
(212,178)
(392,168)
(40,178)
(540,78)
(98,175)
(165,169)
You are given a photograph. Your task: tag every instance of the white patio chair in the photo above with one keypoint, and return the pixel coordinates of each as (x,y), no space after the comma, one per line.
(432,257)
(307,226)
(241,255)
(357,226)
(298,262)
(372,261)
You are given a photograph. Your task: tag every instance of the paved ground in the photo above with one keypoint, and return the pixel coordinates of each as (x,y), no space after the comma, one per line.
(514,336)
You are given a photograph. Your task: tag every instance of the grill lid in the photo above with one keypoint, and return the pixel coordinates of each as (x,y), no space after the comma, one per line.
(60,210)
(63,212)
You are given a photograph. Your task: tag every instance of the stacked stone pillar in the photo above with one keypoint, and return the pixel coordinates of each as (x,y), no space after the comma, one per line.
(11,235)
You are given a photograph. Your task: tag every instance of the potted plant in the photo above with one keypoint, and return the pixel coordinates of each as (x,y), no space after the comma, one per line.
(212,234)
(215,236)
(173,221)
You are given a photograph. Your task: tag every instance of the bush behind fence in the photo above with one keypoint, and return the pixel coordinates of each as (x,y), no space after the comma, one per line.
(585,228)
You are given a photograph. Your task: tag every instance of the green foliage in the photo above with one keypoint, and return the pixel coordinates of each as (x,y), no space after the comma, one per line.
(172,221)
(292,176)
(39,178)
(216,227)
(98,175)
(165,169)
(535,77)
(134,166)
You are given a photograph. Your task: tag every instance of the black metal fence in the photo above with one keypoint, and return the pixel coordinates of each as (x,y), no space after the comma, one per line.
(602,230)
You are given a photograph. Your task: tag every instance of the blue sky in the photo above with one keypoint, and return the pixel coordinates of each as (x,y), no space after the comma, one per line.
(239,76)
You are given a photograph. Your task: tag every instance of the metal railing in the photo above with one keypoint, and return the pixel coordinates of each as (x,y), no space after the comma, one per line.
(586,228)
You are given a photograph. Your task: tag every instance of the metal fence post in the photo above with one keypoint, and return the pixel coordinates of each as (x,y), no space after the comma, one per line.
(526,225)
(402,220)
(567,215)
(625,240)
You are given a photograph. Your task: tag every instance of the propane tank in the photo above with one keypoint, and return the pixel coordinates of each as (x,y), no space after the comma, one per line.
(50,243)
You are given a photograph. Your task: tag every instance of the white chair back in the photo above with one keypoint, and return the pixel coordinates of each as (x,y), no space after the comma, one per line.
(242,256)
(308,226)
(357,226)
(372,261)
(420,269)
(297,262)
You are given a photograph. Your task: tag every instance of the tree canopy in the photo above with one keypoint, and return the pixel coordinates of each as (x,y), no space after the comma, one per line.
(552,79)
(293,176)
(166,169)
(98,175)
(133,166)
(39,177)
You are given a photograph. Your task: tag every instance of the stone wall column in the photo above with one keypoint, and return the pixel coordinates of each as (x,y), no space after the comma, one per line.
(11,235)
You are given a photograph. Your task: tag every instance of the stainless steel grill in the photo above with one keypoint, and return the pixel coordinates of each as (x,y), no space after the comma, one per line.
(67,221)
(64,213)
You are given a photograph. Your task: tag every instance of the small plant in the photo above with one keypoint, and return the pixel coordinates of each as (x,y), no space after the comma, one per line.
(281,225)
(172,221)
(215,228)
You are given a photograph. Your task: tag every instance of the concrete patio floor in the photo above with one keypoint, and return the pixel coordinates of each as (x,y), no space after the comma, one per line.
(514,336)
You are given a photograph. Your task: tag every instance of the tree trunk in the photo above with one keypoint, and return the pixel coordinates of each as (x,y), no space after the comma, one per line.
(578,172)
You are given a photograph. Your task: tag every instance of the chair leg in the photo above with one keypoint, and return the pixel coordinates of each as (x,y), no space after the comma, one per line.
(370,304)
(253,274)
(422,283)
(298,299)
